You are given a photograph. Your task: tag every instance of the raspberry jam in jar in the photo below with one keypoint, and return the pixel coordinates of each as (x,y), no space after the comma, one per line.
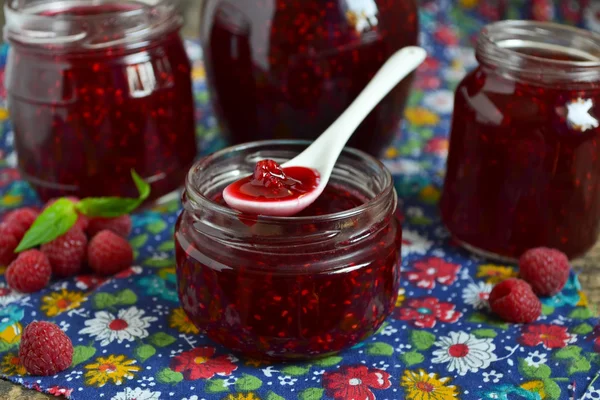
(289,287)
(280,69)
(95,89)
(524,162)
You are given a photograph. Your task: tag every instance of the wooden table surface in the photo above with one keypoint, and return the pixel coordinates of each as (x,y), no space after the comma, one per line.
(588,268)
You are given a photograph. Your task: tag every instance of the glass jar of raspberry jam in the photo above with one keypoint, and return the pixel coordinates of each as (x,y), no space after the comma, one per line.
(524,162)
(281,69)
(97,88)
(289,287)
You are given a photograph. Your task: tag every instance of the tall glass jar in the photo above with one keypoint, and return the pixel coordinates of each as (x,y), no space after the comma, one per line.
(524,162)
(97,88)
(289,287)
(280,69)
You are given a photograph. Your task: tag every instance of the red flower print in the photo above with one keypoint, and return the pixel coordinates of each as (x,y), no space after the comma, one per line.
(551,336)
(60,391)
(355,382)
(542,10)
(437,146)
(430,64)
(427,82)
(200,364)
(427,272)
(447,35)
(425,312)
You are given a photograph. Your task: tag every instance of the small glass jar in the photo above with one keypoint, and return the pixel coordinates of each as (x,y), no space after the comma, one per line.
(524,162)
(288,287)
(280,69)
(97,88)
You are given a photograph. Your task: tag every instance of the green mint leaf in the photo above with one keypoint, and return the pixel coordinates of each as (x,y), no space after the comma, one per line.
(112,207)
(53,222)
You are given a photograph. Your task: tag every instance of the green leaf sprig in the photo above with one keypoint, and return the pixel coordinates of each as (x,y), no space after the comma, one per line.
(58,218)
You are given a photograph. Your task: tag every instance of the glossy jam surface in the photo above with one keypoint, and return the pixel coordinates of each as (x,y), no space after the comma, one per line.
(281,69)
(84,118)
(278,297)
(524,168)
(270,182)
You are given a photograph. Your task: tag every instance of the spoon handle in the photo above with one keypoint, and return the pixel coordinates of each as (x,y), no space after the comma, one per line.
(333,140)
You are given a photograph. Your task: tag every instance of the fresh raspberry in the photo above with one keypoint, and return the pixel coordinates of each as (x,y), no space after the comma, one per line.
(30,272)
(82,220)
(109,253)
(67,252)
(514,301)
(21,220)
(8,243)
(268,173)
(546,270)
(45,349)
(120,225)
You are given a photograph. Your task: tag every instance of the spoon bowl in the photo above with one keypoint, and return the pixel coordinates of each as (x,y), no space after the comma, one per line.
(320,157)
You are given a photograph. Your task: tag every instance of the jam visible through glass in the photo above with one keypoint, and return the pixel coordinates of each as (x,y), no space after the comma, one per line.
(303,299)
(524,168)
(83,118)
(280,69)
(270,182)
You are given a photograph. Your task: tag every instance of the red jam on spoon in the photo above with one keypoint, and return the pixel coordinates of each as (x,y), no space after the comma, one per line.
(270,182)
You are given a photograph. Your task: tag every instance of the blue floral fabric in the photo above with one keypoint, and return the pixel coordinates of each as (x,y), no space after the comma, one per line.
(441,341)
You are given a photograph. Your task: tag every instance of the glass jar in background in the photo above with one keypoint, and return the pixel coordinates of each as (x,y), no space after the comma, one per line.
(95,89)
(524,161)
(289,287)
(287,69)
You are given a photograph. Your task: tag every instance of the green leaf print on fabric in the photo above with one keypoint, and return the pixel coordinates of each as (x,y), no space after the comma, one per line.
(138,241)
(82,354)
(273,396)
(547,310)
(574,360)
(412,358)
(169,376)
(551,389)
(422,340)
(216,386)
(311,394)
(581,313)
(247,383)
(479,318)
(144,352)
(126,297)
(485,333)
(161,339)
(156,262)
(296,370)
(101,301)
(380,349)
(582,329)
(157,227)
(532,371)
(329,361)
(169,245)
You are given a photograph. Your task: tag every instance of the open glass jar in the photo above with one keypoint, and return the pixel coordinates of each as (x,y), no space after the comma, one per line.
(97,88)
(289,287)
(281,69)
(524,162)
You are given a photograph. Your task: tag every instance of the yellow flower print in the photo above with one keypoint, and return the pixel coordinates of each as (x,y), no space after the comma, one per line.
(391,152)
(420,385)
(420,116)
(495,273)
(430,194)
(12,334)
(535,387)
(198,72)
(3,114)
(468,4)
(180,321)
(11,365)
(112,368)
(58,302)
(165,273)
(242,396)
(401,297)
(583,300)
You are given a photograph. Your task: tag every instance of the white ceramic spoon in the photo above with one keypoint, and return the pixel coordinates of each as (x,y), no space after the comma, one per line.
(323,153)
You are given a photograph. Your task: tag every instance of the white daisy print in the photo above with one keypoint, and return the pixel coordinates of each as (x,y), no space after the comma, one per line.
(8,296)
(492,376)
(440,101)
(464,352)
(136,394)
(403,167)
(128,325)
(536,359)
(477,294)
(413,243)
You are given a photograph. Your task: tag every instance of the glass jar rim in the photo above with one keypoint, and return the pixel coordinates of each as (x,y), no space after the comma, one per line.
(27,24)
(201,201)
(498,41)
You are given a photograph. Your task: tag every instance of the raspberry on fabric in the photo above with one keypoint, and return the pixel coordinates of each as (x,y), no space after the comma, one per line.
(21,220)
(546,270)
(513,300)
(120,225)
(30,272)
(8,243)
(67,252)
(45,349)
(109,253)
